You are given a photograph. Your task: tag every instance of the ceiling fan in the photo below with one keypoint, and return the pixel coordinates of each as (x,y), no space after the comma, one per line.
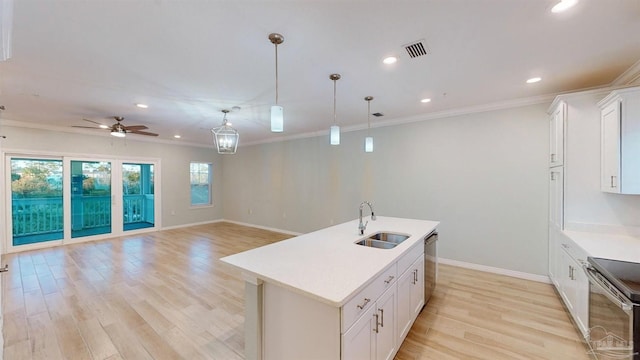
(118,129)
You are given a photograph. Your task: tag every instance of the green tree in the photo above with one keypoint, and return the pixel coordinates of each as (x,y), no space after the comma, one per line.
(33,182)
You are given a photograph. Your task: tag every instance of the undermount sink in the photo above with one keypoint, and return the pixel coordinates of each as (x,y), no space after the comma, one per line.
(383,240)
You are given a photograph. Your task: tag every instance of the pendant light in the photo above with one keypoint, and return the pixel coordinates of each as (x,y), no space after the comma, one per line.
(225,137)
(335,129)
(277,112)
(368,141)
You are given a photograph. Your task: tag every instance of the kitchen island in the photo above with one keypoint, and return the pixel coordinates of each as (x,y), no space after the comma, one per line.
(313,296)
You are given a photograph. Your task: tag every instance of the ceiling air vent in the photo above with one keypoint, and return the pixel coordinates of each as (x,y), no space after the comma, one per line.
(378,114)
(417,49)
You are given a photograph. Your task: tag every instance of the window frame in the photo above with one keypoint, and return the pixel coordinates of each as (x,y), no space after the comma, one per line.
(209,183)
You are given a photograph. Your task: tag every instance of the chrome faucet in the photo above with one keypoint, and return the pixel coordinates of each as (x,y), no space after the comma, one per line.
(362,227)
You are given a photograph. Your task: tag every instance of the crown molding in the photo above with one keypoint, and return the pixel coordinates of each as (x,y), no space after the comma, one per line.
(629,77)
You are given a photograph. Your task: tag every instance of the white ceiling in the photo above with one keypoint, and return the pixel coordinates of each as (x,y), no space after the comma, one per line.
(189,59)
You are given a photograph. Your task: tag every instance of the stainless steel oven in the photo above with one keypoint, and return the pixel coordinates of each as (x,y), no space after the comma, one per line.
(614,309)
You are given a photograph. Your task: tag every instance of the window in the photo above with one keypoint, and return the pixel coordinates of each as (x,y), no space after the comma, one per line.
(201,174)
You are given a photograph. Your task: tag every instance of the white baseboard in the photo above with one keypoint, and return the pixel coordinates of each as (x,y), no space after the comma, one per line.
(263,227)
(191,224)
(495,270)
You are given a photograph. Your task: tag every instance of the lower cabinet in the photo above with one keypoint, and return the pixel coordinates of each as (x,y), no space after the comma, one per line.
(572,282)
(369,326)
(382,327)
(373,336)
(410,297)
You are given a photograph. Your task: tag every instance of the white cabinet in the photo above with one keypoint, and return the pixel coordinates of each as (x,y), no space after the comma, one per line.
(410,297)
(556,197)
(386,340)
(573,282)
(360,341)
(556,134)
(620,142)
(373,334)
(383,322)
(554,253)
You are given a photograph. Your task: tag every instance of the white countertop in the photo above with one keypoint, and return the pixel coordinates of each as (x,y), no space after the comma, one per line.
(608,246)
(326,264)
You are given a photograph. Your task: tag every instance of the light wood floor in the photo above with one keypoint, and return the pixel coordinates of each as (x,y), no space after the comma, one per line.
(165,295)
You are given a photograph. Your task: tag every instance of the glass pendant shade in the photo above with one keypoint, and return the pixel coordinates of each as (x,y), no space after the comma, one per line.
(277,118)
(368,144)
(226,139)
(335,135)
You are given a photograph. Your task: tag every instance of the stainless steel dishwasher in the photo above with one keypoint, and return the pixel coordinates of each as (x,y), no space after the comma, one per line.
(430,264)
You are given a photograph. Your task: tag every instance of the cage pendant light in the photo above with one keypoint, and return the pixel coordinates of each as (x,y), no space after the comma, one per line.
(225,137)
(335,129)
(368,140)
(277,112)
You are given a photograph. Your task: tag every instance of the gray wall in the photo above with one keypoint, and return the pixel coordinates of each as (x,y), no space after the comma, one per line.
(174,164)
(484,176)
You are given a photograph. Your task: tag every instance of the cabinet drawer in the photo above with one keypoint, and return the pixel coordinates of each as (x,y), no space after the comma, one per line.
(407,259)
(360,303)
(576,252)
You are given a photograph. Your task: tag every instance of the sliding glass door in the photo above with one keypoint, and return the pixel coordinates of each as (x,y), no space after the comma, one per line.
(138,205)
(36,200)
(90,198)
(65,199)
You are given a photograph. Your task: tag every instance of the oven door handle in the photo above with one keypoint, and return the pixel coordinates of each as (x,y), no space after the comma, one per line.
(609,293)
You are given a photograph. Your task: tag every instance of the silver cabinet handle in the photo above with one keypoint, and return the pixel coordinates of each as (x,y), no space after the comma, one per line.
(613,184)
(4,269)
(389,279)
(376,328)
(366,301)
(381,317)
(415,276)
(553,175)
(553,157)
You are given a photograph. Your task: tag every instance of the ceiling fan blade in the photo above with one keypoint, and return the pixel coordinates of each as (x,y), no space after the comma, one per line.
(87,127)
(91,121)
(143,133)
(135,127)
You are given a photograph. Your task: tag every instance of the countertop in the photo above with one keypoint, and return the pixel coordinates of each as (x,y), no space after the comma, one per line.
(326,264)
(608,246)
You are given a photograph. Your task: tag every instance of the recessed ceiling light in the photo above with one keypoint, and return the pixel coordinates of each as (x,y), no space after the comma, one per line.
(563,5)
(177,136)
(142,106)
(534,80)
(390,60)
(425,100)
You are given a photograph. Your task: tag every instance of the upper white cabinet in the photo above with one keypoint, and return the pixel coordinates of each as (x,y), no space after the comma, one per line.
(556,134)
(620,142)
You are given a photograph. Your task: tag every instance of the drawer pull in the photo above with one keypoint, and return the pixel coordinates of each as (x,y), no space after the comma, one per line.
(389,280)
(366,301)
(381,317)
